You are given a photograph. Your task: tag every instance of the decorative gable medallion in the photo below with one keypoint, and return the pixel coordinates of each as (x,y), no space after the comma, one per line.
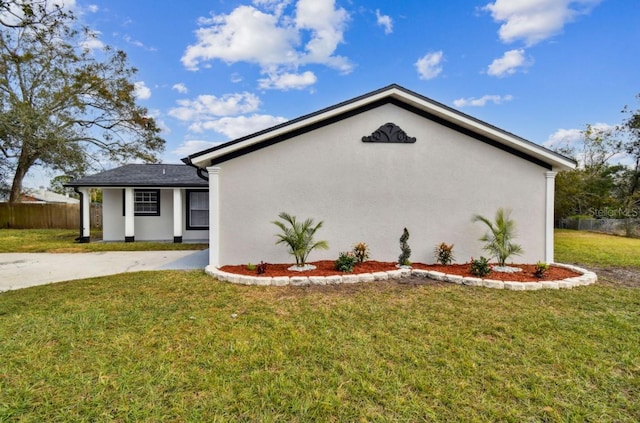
(389,132)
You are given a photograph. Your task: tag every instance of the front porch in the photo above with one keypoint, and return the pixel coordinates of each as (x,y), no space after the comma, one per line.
(147,202)
(150,214)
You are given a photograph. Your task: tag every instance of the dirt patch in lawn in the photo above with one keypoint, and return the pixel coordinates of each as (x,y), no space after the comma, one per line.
(628,277)
(326,268)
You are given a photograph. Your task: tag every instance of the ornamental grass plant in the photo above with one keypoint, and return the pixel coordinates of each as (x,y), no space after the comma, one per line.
(498,240)
(298,237)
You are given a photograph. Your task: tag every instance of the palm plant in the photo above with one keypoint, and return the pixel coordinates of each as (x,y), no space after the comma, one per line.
(298,236)
(498,239)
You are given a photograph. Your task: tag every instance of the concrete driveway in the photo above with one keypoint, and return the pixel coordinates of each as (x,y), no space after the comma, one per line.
(21,270)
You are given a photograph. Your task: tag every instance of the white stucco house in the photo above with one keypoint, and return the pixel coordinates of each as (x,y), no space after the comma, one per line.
(147,202)
(367,167)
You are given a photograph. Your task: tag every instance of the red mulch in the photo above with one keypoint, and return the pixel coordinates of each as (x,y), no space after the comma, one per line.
(326,268)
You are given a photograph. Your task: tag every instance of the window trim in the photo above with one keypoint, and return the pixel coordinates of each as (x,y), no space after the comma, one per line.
(156,213)
(187,203)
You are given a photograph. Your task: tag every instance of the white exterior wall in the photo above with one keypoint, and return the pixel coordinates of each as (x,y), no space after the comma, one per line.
(147,228)
(370,191)
(157,228)
(112,218)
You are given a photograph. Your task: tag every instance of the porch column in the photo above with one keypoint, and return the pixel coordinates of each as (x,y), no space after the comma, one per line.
(85,215)
(177,215)
(214,216)
(129,215)
(549,202)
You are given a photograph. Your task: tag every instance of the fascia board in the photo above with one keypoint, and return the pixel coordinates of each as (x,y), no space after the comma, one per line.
(556,160)
(136,186)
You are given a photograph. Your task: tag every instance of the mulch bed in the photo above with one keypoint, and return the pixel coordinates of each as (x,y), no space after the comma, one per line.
(326,268)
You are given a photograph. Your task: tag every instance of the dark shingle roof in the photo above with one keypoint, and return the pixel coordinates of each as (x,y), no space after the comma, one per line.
(144,175)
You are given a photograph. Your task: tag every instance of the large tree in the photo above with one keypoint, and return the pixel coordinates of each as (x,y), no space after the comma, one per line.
(64,106)
(590,188)
(630,129)
(607,180)
(4,186)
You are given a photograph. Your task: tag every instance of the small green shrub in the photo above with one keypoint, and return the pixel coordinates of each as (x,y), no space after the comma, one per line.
(346,262)
(251,267)
(361,251)
(480,267)
(299,237)
(498,239)
(403,260)
(541,269)
(444,253)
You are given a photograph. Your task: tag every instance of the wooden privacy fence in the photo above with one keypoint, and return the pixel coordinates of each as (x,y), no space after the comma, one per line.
(46,216)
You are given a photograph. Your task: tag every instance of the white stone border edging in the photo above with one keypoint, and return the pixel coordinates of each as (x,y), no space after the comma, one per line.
(587,278)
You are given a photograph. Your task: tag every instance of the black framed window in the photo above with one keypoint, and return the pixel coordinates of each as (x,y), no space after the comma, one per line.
(197,209)
(146,202)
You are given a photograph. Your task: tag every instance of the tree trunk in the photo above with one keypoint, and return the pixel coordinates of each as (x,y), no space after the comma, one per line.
(634,186)
(16,186)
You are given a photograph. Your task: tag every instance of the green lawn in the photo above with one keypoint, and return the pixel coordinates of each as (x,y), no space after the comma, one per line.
(596,249)
(180,346)
(63,241)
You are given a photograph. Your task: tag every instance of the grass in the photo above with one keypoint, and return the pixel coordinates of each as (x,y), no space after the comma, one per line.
(596,249)
(180,346)
(63,241)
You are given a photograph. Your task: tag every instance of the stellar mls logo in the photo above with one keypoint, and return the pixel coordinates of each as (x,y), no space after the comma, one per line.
(614,213)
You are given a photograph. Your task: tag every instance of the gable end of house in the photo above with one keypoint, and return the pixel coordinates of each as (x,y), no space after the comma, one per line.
(369,106)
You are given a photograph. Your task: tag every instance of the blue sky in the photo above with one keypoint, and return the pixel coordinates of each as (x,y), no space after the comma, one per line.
(211,71)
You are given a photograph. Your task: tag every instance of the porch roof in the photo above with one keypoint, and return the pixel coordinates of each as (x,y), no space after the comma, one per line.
(143,175)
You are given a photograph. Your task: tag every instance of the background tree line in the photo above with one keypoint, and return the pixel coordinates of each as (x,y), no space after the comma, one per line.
(606,183)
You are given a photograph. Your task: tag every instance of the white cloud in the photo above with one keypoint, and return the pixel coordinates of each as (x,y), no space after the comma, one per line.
(277,6)
(272,39)
(573,137)
(92,41)
(429,66)
(571,142)
(238,126)
(509,63)
(385,21)
(93,8)
(246,34)
(12,13)
(563,137)
(137,43)
(91,44)
(156,114)
(326,24)
(141,91)
(222,114)
(63,4)
(533,21)
(180,87)
(194,146)
(482,101)
(236,77)
(206,107)
(287,81)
